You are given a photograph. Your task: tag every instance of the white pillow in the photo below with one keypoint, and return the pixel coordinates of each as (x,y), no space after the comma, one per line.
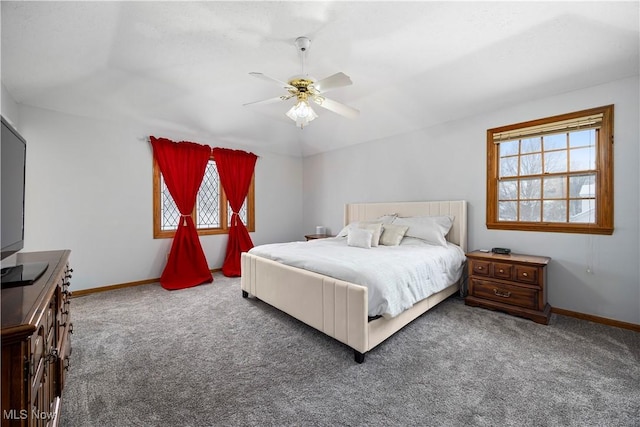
(355,224)
(376,230)
(432,229)
(392,234)
(387,219)
(359,237)
(345,230)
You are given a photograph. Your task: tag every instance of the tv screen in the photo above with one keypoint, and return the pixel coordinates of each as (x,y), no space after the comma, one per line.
(13,150)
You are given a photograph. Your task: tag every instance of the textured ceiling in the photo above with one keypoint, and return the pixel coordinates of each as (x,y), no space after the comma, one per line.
(181,68)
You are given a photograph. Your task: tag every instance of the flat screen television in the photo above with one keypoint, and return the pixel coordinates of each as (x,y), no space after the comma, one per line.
(13,152)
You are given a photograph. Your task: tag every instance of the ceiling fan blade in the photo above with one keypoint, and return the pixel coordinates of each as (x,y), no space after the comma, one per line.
(332,82)
(270,100)
(336,107)
(282,84)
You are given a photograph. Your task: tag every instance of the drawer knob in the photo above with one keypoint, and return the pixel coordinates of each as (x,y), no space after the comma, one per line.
(480,268)
(501,293)
(501,271)
(52,357)
(525,274)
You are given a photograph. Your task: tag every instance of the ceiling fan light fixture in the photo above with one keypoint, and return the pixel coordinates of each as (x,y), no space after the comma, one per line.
(303,87)
(302,113)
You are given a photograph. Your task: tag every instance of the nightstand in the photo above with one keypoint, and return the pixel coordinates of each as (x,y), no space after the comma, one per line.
(515,283)
(317,236)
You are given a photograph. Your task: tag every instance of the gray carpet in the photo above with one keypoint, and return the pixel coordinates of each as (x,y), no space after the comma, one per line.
(205,356)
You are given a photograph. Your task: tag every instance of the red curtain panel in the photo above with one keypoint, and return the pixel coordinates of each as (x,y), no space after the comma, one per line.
(182,165)
(235,168)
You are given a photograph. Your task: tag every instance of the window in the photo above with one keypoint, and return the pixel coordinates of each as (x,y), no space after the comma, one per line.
(552,174)
(212,212)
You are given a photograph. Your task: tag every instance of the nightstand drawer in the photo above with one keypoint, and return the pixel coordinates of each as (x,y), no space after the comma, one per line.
(527,274)
(482,268)
(505,293)
(503,271)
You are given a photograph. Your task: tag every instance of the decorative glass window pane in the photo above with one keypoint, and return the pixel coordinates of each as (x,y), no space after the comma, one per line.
(555,187)
(530,211)
(242,213)
(554,211)
(555,161)
(530,188)
(208,200)
(508,211)
(170,213)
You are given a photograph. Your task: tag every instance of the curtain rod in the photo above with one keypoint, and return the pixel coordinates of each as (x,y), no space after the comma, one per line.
(148,139)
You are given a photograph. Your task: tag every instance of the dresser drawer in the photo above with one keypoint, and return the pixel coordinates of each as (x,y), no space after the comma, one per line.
(50,316)
(37,357)
(505,293)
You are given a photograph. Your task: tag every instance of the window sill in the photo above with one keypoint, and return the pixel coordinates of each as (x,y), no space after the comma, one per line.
(551,227)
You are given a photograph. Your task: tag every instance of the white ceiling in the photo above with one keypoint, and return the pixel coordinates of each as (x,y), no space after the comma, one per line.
(181,68)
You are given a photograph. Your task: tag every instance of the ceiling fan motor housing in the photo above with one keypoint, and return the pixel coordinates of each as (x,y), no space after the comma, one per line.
(301,82)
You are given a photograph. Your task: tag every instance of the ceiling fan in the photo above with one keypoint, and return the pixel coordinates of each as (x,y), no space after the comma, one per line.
(305,88)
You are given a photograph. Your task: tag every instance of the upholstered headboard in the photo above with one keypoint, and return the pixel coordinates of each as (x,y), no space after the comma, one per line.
(455,208)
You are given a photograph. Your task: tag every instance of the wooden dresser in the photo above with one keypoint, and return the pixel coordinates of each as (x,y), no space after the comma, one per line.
(515,283)
(36,346)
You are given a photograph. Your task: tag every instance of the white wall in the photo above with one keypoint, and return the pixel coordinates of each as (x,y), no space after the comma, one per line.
(448,161)
(89,189)
(9,107)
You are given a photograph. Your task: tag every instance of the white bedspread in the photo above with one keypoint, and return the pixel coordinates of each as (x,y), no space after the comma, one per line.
(396,276)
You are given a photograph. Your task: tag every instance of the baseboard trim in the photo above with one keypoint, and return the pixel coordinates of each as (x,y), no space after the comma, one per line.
(83,292)
(561,311)
(596,319)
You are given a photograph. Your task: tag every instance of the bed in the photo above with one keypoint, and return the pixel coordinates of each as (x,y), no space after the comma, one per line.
(340,308)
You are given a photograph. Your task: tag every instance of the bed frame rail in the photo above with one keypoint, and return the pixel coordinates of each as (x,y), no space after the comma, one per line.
(334,307)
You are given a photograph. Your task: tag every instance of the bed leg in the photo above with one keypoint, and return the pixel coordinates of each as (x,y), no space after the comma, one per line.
(358,357)
(245,294)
